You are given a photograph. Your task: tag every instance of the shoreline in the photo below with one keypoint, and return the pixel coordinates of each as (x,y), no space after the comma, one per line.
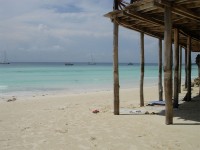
(25,94)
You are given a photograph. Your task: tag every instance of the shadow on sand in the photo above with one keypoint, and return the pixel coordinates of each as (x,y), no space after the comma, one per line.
(189,111)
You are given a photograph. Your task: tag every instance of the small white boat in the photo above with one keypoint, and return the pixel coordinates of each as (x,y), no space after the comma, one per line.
(92,61)
(69,64)
(5,61)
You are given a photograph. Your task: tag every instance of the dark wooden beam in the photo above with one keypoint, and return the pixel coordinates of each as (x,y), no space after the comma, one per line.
(115,4)
(160,87)
(185,13)
(115,68)
(189,68)
(138,28)
(151,21)
(168,65)
(186,68)
(178,9)
(176,67)
(180,68)
(143,18)
(142,69)
(187,2)
(146,6)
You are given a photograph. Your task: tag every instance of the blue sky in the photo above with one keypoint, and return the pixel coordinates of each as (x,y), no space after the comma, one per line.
(66,31)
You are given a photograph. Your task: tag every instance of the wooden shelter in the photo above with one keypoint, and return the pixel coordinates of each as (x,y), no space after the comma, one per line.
(174,21)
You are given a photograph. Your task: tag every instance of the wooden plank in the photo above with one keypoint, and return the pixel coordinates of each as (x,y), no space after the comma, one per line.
(142,69)
(180,68)
(186,69)
(186,13)
(138,3)
(152,21)
(144,18)
(113,13)
(160,87)
(115,4)
(189,2)
(177,9)
(189,68)
(168,66)
(147,6)
(192,5)
(139,28)
(176,67)
(115,68)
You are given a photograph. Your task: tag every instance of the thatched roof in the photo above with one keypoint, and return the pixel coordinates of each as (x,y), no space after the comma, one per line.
(148,16)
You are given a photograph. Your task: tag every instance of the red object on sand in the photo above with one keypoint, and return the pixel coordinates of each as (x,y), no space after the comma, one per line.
(95,111)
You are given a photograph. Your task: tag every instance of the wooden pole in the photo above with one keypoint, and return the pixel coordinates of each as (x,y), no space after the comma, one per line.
(115,5)
(172,70)
(142,69)
(189,68)
(168,65)
(185,68)
(115,61)
(160,87)
(116,71)
(180,68)
(176,67)
(199,75)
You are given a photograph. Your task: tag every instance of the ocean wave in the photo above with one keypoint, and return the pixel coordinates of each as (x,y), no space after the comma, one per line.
(151,77)
(3,87)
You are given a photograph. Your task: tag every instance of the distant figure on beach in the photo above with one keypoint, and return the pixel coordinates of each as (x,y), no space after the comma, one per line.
(198,64)
(198,60)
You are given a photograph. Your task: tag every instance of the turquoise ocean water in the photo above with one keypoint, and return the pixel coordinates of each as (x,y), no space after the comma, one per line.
(81,77)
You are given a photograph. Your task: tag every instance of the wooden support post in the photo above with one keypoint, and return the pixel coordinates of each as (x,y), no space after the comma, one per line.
(189,68)
(176,67)
(115,5)
(160,87)
(199,75)
(142,69)
(168,65)
(180,68)
(199,71)
(115,65)
(198,64)
(185,68)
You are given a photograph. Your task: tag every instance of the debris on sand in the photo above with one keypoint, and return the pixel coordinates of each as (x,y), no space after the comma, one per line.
(95,111)
(12,99)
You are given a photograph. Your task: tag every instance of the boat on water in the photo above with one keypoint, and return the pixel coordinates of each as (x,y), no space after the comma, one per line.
(92,61)
(69,64)
(130,64)
(5,61)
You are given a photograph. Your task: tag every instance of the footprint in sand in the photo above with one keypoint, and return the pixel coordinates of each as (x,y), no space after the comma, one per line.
(61,131)
(93,140)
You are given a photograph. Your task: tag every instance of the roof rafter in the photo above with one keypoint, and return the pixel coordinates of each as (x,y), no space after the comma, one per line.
(178,9)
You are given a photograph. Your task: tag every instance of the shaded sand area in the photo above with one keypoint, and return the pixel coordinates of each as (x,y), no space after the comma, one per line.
(66,122)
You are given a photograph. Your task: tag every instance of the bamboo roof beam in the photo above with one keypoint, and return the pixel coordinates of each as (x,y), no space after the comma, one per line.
(186,1)
(144,18)
(147,16)
(178,9)
(139,29)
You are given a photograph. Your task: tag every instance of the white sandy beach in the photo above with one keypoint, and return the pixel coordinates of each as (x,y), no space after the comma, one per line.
(66,122)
